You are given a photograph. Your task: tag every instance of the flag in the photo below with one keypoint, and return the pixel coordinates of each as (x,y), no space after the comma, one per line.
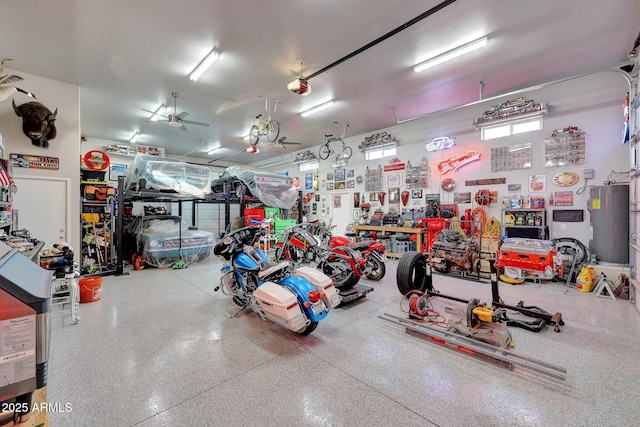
(5,179)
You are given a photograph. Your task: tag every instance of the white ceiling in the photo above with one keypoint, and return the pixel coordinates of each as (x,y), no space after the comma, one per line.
(130,55)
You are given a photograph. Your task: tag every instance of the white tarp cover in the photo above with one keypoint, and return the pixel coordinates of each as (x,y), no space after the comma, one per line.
(169,174)
(271,188)
(159,241)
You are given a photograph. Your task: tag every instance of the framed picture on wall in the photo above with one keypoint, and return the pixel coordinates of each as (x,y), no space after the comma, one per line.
(330,186)
(394,195)
(394,179)
(116,170)
(330,176)
(339,174)
(351,184)
(537,183)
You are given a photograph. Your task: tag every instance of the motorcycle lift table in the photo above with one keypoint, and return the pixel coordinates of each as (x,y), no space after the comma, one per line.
(354,293)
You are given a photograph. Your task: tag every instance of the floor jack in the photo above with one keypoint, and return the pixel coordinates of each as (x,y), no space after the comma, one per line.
(543,317)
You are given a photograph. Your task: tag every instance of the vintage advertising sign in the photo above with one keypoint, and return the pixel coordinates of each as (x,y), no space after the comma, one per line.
(394,167)
(34,162)
(462,197)
(563,198)
(489,181)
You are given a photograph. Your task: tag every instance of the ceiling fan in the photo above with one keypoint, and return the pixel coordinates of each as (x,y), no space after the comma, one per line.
(280,142)
(177,120)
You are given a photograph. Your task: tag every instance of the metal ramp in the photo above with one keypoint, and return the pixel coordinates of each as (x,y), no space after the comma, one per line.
(354,293)
(501,357)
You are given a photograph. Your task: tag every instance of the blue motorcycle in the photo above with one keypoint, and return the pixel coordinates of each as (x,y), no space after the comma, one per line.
(296,298)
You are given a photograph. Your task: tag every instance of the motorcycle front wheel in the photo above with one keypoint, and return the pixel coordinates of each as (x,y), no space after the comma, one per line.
(378,269)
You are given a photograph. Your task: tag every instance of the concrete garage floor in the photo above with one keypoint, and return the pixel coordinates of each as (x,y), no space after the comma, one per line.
(159,350)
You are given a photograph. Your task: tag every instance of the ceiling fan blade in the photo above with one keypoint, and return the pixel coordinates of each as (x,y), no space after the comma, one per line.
(183,127)
(10,79)
(282,140)
(189,122)
(182,115)
(153,112)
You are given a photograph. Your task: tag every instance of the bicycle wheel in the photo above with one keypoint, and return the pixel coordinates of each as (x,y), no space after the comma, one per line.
(347,152)
(324,152)
(254,135)
(273,130)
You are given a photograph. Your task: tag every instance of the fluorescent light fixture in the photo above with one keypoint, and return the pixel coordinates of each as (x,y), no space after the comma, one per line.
(453,53)
(134,137)
(253,150)
(158,113)
(319,107)
(204,65)
(213,150)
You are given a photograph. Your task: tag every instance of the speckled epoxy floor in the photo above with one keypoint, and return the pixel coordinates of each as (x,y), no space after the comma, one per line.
(160,350)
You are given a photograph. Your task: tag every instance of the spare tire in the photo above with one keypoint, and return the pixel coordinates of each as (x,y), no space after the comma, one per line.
(412,273)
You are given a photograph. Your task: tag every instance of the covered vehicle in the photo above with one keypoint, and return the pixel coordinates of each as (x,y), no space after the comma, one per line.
(270,188)
(162,240)
(165,174)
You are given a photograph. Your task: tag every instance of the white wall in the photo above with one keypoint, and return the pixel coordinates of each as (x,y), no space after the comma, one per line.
(66,146)
(593,103)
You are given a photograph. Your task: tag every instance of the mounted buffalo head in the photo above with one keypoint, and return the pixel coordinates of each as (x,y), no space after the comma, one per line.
(38,122)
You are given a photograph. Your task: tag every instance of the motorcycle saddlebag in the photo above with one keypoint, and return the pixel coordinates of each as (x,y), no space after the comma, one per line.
(280,305)
(322,283)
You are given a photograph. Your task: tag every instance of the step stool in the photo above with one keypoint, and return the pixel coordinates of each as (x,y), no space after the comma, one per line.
(65,295)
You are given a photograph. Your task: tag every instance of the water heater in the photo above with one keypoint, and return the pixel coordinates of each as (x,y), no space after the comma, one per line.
(609,211)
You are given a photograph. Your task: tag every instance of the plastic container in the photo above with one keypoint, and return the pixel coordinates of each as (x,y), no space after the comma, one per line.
(585,279)
(90,289)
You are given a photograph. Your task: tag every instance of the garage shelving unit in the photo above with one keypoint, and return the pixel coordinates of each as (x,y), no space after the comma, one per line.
(144,194)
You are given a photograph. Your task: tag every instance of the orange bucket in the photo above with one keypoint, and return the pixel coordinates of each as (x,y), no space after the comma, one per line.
(90,288)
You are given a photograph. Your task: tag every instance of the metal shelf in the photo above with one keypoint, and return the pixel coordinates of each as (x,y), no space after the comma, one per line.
(379,146)
(484,121)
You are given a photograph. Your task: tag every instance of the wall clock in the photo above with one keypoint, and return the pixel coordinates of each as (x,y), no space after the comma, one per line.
(448,184)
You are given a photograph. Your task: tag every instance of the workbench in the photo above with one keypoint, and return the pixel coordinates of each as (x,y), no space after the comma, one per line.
(385,230)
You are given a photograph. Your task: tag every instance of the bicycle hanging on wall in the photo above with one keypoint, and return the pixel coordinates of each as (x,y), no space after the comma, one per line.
(326,151)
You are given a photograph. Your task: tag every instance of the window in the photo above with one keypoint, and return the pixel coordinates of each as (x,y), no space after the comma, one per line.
(380,153)
(513,128)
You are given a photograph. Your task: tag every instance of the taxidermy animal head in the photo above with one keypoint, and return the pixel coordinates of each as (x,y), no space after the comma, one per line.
(38,122)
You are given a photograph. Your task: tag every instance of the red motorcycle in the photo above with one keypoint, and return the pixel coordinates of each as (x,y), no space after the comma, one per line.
(372,251)
(343,264)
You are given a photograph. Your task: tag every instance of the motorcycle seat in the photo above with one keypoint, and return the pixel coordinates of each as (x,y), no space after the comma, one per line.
(360,246)
(269,268)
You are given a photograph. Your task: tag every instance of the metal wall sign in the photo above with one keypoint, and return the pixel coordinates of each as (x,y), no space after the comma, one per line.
(563,198)
(513,157)
(488,181)
(34,162)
